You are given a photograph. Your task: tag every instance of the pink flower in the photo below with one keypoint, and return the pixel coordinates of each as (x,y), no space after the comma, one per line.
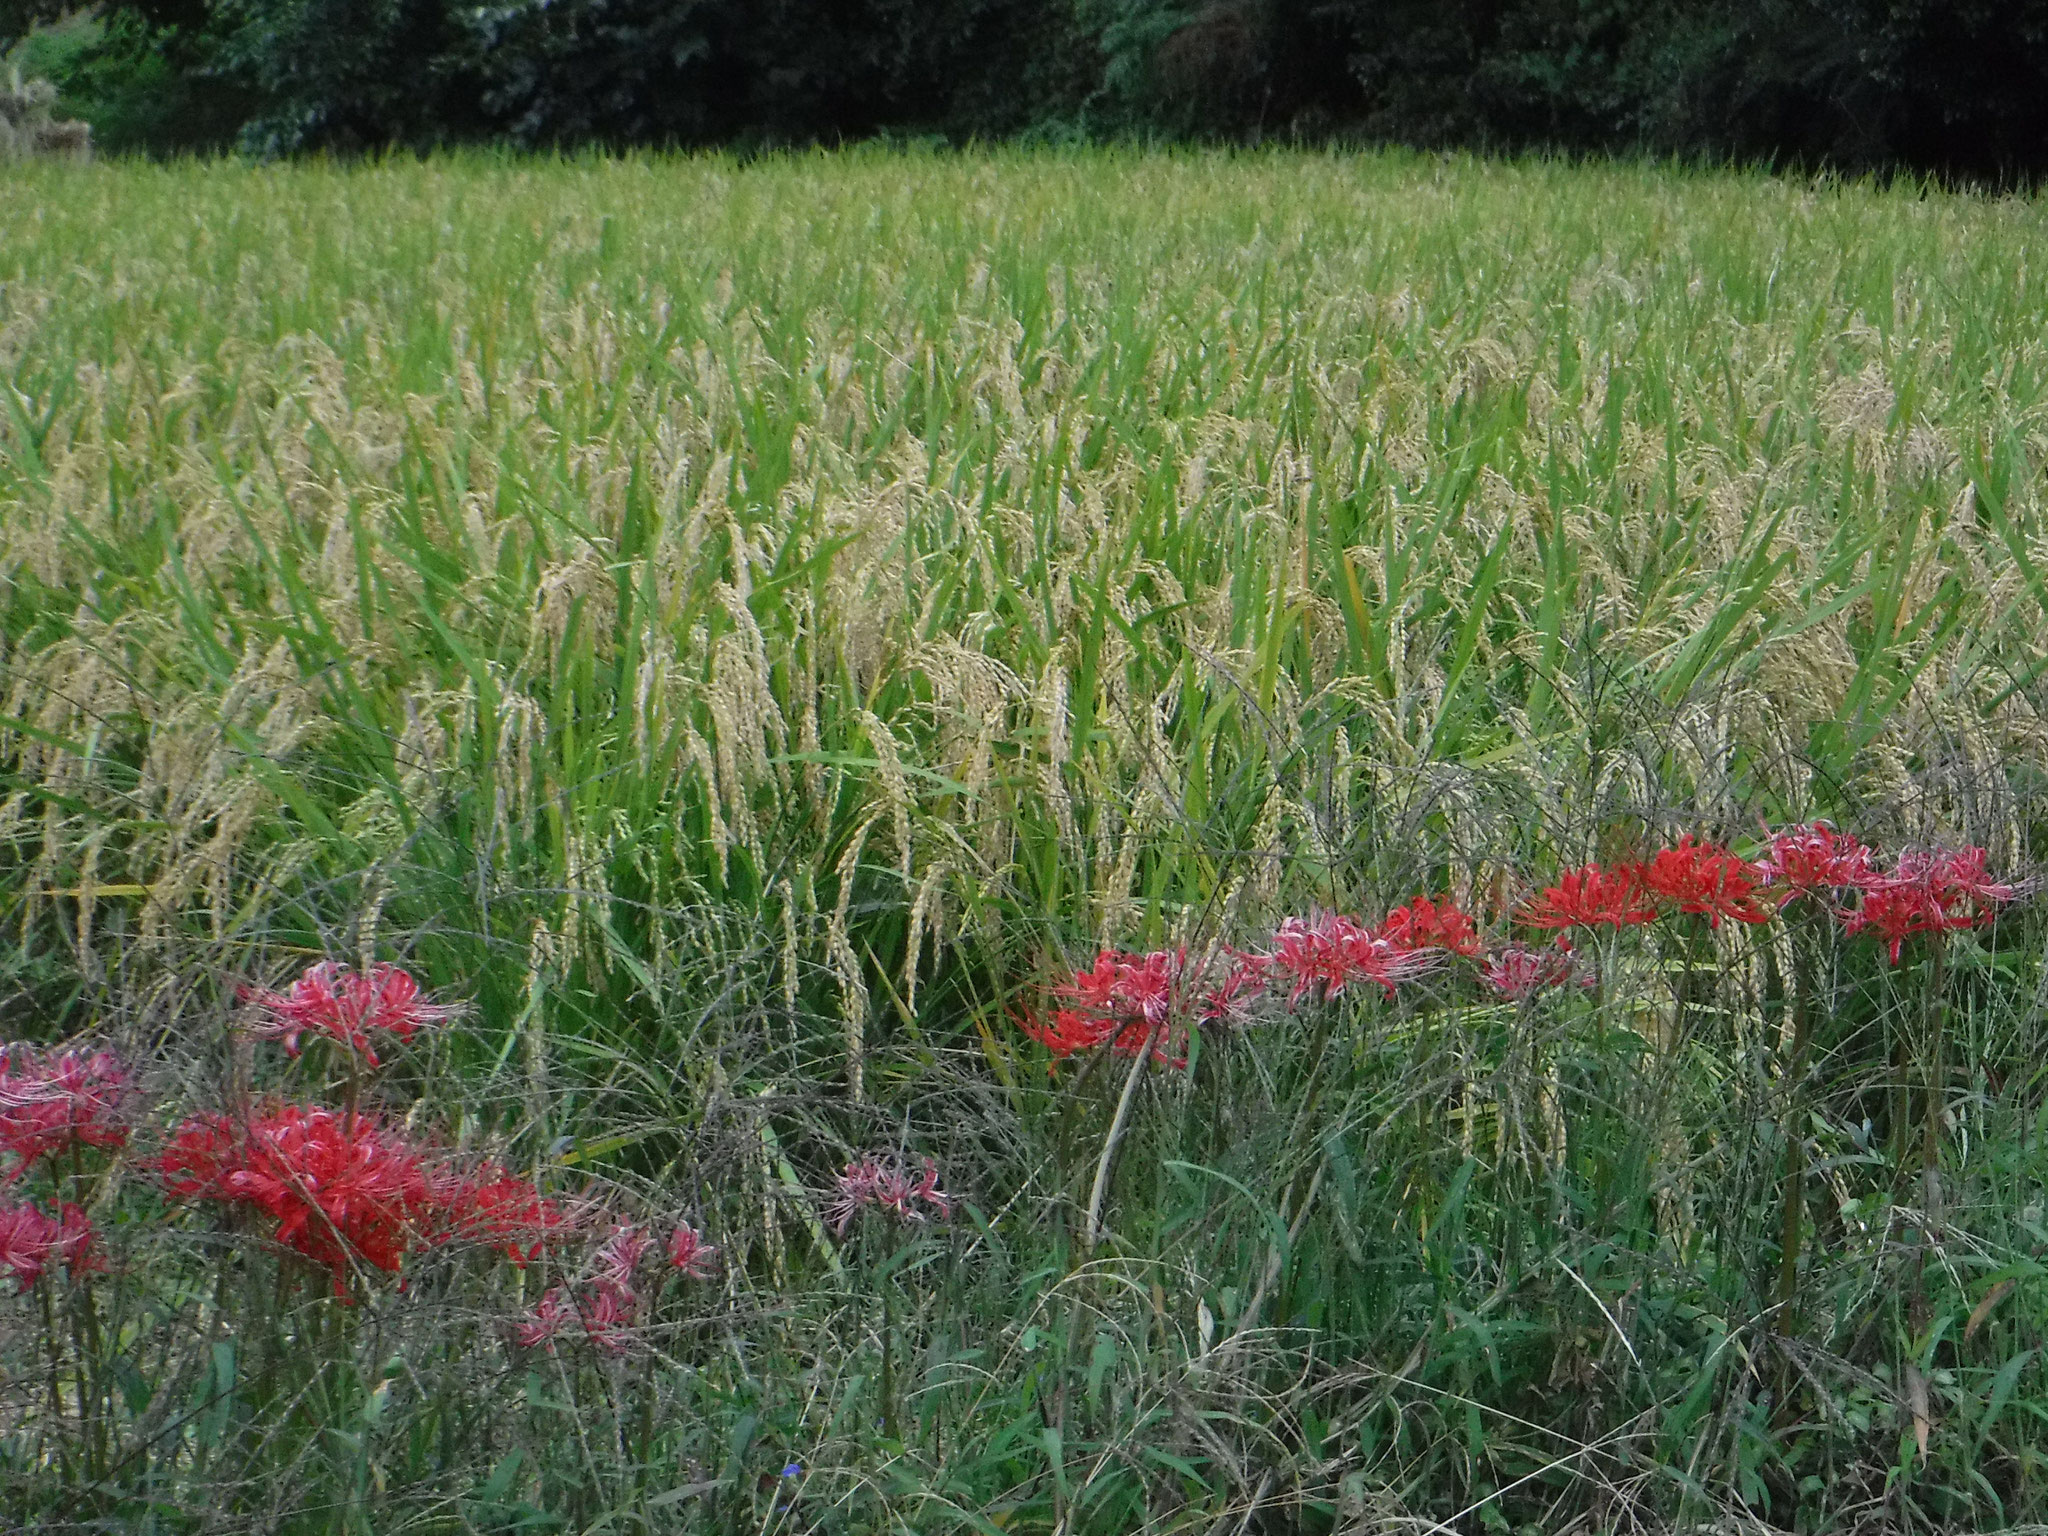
(689,1254)
(1520,972)
(343,1005)
(619,1256)
(872,1183)
(603,1308)
(554,1313)
(1330,952)
(928,1192)
(856,1187)
(1954,876)
(608,1310)
(60,1100)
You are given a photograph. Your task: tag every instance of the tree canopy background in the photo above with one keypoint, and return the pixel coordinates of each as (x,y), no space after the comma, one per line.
(1956,88)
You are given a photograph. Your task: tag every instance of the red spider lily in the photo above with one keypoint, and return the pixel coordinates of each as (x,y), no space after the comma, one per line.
(1707,880)
(1426,924)
(618,1256)
(1520,972)
(60,1100)
(1331,952)
(342,1004)
(1069,1031)
(1126,1001)
(1127,986)
(1592,896)
(1896,914)
(74,1243)
(495,1207)
(342,1188)
(603,1309)
(608,1309)
(1814,860)
(689,1254)
(27,1239)
(554,1312)
(1936,890)
(1230,999)
(884,1185)
(30,1238)
(1955,876)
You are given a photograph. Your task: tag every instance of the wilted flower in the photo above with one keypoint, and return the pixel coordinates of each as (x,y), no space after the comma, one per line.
(52,1102)
(1707,880)
(1592,896)
(603,1307)
(1243,982)
(342,1004)
(608,1309)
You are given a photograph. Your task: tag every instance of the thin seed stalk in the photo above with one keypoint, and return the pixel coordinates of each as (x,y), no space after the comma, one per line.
(1793,1218)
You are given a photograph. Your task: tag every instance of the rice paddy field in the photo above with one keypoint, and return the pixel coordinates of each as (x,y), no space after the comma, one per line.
(748,634)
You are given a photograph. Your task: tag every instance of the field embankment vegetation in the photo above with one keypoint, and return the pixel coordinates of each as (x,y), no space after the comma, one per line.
(748,635)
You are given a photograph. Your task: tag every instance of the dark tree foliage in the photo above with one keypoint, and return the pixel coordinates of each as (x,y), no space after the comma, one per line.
(709,71)
(1952,87)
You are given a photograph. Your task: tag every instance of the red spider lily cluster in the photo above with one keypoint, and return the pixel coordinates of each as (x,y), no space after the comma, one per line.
(343,1188)
(605,1301)
(1130,1001)
(1592,897)
(352,1192)
(886,1185)
(31,1238)
(1815,860)
(53,1101)
(1935,890)
(338,1003)
(1126,1001)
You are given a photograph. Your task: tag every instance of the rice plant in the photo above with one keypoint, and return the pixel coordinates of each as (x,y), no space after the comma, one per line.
(756,637)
